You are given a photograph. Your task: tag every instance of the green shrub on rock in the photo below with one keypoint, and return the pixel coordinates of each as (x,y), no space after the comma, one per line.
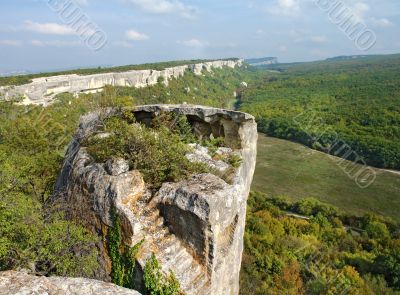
(123,258)
(158,153)
(156,282)
(48,246)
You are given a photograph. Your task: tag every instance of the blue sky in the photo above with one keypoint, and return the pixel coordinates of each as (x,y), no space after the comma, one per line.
(34,37)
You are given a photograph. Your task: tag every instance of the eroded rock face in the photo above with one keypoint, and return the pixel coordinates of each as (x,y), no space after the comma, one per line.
(20,283)
(195,227)
(116,166)
(43,90)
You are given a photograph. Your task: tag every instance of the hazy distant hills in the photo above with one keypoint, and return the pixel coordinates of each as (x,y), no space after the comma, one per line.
(347,57)
(264,61)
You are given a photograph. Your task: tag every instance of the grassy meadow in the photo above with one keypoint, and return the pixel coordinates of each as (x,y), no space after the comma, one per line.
(289,169)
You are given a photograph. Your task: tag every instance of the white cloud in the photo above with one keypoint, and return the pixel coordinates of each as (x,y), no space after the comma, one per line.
(55,43)
(193,43)
(285,7)
(37,43)
(165,7)
(123,44)
(14,43)
(297,33)
(319,39)
(289,4)
(283,48)
(136,36)
(381,22)
(82,2)
(359,9)
(48,28)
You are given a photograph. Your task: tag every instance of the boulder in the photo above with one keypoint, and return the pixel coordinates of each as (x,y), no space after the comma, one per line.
(20,283)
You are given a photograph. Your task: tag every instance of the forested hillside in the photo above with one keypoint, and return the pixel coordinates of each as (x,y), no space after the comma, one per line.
(355,101)
(321,251)
(298,245)
(33,141)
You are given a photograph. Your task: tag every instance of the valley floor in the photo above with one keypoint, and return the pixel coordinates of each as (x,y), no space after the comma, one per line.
(289,169)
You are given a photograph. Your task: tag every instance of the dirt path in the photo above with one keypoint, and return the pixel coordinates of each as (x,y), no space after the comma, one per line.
(390,171)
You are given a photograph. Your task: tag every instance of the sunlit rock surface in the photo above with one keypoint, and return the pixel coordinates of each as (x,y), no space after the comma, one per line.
(20,283)
(195,227)
(43,90)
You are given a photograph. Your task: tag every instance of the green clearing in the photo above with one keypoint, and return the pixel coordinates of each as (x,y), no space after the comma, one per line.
(289,169)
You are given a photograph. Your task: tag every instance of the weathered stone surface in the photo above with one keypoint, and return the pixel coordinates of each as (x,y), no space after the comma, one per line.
(195,227)
(43,90)
(201,154)
(116,166)
(223,151)
(20,283)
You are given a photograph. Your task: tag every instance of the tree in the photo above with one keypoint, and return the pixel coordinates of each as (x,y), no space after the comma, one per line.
(289,282)
(377,230)
(388,264)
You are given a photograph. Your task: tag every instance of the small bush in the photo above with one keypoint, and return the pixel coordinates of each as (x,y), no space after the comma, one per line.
(234,160)
(177,124)
(160,80)
(213,144)
(123,258)
(47,246)
(159,153)
(156,282)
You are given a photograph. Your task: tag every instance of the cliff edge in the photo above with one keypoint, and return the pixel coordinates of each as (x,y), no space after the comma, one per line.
(18,283)
(194,227)
(43,90)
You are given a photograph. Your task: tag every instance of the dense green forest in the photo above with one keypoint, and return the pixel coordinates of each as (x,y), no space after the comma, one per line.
(321,251)
(326,104)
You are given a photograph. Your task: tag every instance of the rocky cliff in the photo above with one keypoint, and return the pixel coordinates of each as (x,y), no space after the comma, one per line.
(194,227)
(43,90)
(18,283)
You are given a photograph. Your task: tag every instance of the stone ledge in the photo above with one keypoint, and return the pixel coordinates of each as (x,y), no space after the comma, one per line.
(19,283)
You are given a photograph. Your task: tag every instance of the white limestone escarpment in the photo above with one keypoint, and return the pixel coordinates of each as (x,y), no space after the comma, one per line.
(43,90)
(195,227)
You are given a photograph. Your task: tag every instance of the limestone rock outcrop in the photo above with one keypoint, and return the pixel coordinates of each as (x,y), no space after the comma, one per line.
(20,283)
(43,90)
(195,227)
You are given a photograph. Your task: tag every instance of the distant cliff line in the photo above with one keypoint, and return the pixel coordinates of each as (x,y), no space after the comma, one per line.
(43,90)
